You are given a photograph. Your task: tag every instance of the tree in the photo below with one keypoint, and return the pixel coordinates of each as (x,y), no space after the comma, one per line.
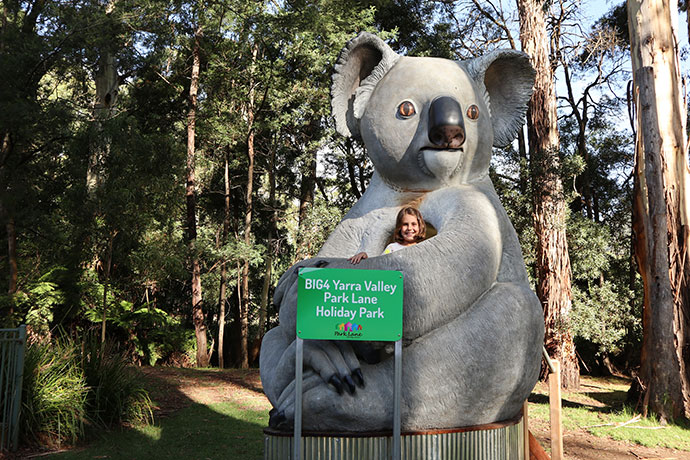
(553,262)
(202,358)
(661,208)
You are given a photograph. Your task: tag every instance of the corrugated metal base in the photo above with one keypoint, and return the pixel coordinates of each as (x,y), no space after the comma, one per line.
(495,443)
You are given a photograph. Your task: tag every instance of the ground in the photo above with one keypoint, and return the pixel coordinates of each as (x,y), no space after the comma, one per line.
(207,394)
(174,389)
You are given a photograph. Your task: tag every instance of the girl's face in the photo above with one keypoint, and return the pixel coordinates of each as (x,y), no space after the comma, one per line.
(409,229)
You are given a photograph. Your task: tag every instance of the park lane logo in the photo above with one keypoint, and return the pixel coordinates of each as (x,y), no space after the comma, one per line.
(348,329)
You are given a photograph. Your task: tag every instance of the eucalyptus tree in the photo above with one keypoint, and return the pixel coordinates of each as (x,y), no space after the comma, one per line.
(661,208)
(552,258)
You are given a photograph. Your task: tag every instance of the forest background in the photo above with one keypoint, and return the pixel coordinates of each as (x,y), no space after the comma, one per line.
(163,163)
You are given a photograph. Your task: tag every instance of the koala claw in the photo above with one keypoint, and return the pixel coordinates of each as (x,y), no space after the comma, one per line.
(337,383)
(350,384)
(321,263)
(276,418)
(358,377)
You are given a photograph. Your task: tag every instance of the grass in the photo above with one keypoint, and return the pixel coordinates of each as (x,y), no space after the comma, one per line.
(233,428)
(599,408)
(72,388)
(220,430)
(54,394)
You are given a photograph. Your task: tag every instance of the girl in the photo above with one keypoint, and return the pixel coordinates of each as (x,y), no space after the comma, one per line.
(409,229)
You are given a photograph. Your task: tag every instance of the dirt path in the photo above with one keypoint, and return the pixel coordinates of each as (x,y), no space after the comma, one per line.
(174,389)
(581,445)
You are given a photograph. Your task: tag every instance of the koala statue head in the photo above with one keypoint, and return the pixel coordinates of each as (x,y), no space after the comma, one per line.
(429,122)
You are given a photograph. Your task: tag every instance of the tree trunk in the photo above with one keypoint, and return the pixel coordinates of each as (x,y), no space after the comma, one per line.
(8,218)
(107,84)
(553,262)
(11,253)
(306,201)
(222,297)
(197,307)
(263,313)
(661,208)
(524,162)
(106,283)
(244,302)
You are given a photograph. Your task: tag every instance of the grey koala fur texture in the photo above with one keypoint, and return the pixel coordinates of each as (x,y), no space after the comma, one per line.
(472,327)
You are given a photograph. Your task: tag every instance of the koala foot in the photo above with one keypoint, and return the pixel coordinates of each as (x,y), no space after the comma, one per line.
(335,363)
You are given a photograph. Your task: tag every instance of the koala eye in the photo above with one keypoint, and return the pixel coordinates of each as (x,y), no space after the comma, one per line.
(473,112)
(406,109)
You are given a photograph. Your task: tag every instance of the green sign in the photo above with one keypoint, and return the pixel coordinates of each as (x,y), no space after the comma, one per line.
(346,304)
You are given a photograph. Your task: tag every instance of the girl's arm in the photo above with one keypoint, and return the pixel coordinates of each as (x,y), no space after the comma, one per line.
(357,258)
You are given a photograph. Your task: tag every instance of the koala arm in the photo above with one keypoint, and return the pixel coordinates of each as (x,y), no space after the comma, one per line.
(443,276)
(446,274)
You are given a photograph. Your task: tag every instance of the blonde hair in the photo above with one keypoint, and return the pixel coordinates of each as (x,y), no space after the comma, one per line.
(410,211)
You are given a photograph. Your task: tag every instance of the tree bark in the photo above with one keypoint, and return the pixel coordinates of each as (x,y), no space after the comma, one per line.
(661,208)
(222,297)
(106,283)
(306,195)
(198,318)
(244,301)
(11,253)
(107,84)
(553,262)
(306,201)
(263,313)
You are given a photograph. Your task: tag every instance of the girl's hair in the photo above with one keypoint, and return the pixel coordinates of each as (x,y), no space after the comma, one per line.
(412,211)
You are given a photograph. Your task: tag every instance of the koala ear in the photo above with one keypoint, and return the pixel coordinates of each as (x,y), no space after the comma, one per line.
(360,66)
(508,78)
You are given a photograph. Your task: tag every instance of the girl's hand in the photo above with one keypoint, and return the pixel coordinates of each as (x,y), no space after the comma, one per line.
(357,258)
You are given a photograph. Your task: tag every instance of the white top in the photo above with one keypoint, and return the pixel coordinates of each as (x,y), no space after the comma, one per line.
(393,247)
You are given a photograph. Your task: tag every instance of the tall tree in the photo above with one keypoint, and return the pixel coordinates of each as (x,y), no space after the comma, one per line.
(549,207)
(250,112)
(223,295)
(202,357)
(661,208)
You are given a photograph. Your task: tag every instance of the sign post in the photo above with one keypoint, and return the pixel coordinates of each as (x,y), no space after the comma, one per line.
(346,304)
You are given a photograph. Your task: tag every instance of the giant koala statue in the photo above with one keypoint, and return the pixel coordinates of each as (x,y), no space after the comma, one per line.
(472,328)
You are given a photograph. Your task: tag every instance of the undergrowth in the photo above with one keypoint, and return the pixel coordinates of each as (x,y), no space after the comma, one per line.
(73,388)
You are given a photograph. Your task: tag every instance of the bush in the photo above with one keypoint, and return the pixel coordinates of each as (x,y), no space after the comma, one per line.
(115,395)
(53,395)
(68,386)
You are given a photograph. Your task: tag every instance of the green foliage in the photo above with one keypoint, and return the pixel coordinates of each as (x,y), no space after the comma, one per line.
(54,394)
(273,61)
(320,221)
(602,315)
(35,305)
(70,385)
(116,395)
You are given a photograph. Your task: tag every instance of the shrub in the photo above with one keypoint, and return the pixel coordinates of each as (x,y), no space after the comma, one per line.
(68,385)
(115,395)
(53,395)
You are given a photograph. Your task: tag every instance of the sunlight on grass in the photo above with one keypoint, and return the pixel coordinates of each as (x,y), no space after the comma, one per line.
(152,432)
(602,412)
(220,430)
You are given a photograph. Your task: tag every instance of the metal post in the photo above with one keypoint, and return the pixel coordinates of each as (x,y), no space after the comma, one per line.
(297,434)
(396,400)
(18,378)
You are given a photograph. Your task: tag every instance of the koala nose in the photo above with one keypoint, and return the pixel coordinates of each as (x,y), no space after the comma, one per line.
(446,128)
